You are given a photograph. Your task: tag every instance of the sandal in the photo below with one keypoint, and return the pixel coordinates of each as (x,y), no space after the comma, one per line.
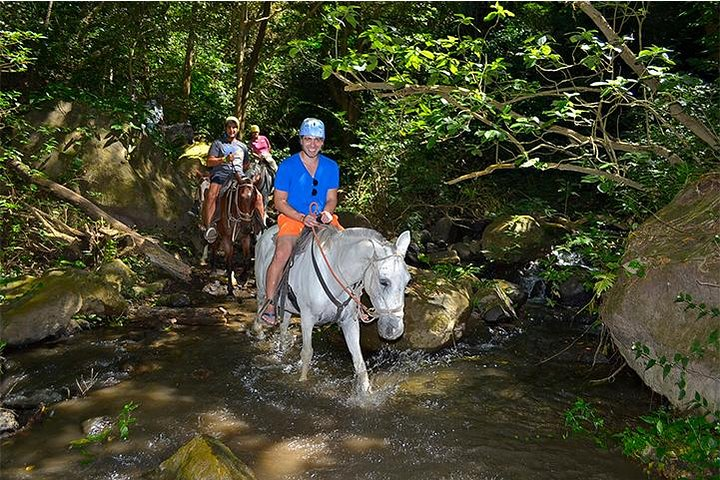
(269,318)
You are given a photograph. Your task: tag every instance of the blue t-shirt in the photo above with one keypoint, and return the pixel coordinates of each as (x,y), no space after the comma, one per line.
(293,178)
(222,148)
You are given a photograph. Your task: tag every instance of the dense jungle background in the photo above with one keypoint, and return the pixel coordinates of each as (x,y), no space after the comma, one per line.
(577,139)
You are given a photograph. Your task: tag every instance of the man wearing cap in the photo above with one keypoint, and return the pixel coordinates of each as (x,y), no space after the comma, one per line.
(306,189)
(225,159)
(261,147)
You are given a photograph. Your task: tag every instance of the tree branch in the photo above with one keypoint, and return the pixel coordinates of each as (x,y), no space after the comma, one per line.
(675,109)
(445,91)
(149,247)
(550,166)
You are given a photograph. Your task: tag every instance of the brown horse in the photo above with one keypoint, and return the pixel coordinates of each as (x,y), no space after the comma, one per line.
(239,219)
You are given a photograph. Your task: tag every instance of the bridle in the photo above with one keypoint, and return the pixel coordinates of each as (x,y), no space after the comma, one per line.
(366,314)
(237,217)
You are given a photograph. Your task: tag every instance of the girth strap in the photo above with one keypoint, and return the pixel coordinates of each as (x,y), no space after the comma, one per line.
(338,305)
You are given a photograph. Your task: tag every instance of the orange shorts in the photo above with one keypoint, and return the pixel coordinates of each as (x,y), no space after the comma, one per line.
(291,227)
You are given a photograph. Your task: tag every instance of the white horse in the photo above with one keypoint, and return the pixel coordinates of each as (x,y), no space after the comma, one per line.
(321,278)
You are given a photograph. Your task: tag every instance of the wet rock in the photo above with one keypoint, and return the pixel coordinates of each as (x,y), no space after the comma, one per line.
(8,422)
(205,458)
(572,292)
(149,289)
(48,306)
(514,239)
(435,312)
(675,252)
(449,257)
(469,251)
(498,301)
(444,230)
(45,396)
(177,300)
(97,425)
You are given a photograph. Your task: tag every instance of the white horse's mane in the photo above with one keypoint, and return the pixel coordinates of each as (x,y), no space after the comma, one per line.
(355,233)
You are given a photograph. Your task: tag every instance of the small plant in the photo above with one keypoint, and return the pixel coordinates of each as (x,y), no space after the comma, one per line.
(676,446)
(121,426)
(455,272)
(683,447)
(85,384)
(582,418)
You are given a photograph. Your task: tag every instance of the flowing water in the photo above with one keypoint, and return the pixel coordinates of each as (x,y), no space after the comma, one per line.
(485,409)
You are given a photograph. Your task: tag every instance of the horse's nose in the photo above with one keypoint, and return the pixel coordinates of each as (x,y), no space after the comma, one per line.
(390,328)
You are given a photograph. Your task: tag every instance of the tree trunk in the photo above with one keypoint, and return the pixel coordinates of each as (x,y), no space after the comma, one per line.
(189,61)
(675,109)
(254,57)
(241,32)
(149,247)
(47,15)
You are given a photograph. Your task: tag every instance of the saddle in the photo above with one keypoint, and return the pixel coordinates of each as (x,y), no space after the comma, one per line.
(284,291)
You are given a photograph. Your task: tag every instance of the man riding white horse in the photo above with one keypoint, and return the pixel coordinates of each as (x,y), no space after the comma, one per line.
(304,179)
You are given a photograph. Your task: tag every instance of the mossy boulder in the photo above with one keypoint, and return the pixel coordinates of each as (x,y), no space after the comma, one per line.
(435,312)
(497,300)
(44,307)
(125,172)
(204,458)
(675,252)
(514,239)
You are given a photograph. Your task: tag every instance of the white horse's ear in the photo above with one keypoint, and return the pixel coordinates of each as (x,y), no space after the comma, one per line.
(402,243)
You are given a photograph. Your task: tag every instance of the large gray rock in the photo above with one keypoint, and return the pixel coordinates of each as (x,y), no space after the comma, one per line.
(39,308)
(674,252)
(204,458)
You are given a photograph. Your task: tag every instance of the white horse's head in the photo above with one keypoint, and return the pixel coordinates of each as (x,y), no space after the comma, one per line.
(385,281)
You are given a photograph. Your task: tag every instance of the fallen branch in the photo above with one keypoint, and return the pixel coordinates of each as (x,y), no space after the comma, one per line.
(149,247)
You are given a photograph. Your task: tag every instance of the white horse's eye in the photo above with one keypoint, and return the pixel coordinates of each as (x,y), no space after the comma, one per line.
(384,282)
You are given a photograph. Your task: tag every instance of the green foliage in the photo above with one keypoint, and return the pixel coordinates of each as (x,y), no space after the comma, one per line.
(454,273)
(676,446)
(583,418)
(121,429)
(680,361)
(687,447)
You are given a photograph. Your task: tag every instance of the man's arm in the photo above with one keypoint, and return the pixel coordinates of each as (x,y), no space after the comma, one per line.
(282,206)
(215,157)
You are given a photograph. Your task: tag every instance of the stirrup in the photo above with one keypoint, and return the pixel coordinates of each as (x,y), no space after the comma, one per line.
(211,234)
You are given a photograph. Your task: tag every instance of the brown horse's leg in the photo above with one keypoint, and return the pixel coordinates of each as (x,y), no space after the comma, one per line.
(229,253)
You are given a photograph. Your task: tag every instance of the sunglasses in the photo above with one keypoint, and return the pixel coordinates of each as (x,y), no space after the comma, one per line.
(315,184)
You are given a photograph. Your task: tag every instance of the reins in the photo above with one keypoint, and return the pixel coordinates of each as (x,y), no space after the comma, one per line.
(241,217)
(366,314)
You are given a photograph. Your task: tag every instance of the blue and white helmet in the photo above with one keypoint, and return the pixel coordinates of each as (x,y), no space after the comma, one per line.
(312,127)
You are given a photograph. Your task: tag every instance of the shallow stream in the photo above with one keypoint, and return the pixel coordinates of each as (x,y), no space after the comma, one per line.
(485,409)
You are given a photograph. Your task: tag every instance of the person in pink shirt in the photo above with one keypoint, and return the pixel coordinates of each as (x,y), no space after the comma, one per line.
(261,146)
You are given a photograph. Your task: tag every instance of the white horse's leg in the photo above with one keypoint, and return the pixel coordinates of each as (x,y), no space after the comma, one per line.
(285,337)
(307,324)
(351,332)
